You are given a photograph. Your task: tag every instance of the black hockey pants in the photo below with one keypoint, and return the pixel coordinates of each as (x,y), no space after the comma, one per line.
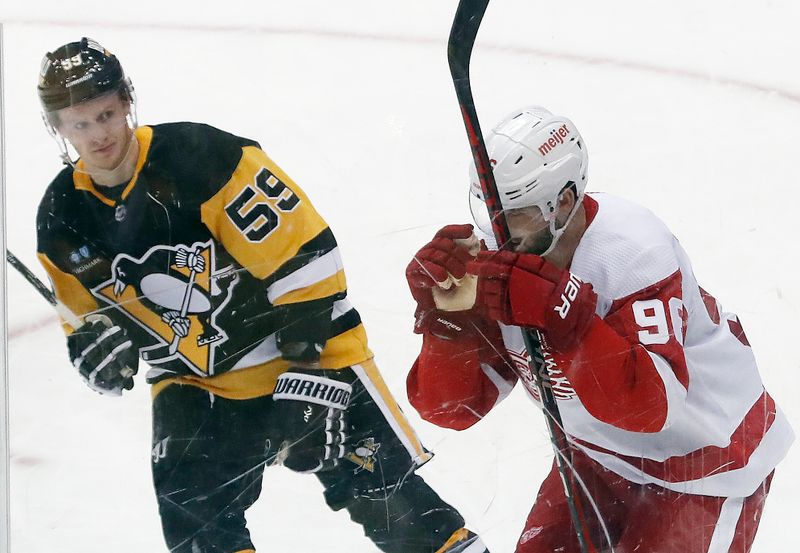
(209,455)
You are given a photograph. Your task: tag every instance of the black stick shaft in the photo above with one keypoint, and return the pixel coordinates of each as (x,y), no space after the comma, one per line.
(66,314)
(459,51)
(30,277)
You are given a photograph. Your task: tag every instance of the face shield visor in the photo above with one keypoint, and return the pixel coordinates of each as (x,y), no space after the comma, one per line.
(96,135)
(547,238)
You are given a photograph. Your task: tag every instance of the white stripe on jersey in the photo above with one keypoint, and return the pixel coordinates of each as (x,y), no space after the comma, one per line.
(315,271)
(340,307)
(725,530)
(741,482)
(675,392)
(267,350)
(502,385)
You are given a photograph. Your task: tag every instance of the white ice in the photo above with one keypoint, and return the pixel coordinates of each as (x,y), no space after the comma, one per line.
(692,109)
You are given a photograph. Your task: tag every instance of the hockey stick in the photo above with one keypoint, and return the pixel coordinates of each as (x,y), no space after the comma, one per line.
(66,313)
(73,320)
(459,50)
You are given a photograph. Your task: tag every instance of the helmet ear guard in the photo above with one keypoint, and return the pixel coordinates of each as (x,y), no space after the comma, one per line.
(535,156)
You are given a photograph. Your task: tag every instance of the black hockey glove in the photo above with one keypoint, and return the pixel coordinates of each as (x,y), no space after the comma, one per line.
(104,355)
(313,411)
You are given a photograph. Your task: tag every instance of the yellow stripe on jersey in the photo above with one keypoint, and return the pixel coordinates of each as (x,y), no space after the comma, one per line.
(260,215)
(83,181)
(344,350)
(69,291)
(458,536)
(377,388)
(247,383)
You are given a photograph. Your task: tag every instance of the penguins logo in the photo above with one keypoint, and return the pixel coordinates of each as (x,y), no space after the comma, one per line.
(363,454)
(174,294)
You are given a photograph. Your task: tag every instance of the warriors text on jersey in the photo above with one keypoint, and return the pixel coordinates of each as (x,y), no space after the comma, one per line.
(663,389)
(212,258)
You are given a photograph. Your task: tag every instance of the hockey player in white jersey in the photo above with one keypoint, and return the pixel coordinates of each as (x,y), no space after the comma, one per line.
(667,418)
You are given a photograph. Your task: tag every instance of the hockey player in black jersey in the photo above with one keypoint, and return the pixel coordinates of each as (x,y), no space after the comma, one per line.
(190,248)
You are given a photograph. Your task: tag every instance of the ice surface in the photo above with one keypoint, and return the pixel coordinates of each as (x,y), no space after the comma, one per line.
(691,109)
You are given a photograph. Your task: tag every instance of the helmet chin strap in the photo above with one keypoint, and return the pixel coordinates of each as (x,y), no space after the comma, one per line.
(558,233)
(59,140)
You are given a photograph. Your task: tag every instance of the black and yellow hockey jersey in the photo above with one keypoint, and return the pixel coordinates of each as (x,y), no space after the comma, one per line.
(211,257)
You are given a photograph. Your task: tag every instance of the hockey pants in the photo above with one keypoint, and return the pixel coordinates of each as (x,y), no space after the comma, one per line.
(209,455)
(640,518)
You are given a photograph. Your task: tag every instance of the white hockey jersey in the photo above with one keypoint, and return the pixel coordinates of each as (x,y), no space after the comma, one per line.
(663,389)
(722,434)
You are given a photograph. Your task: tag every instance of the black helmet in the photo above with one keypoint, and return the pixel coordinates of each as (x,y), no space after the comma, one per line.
(77,72)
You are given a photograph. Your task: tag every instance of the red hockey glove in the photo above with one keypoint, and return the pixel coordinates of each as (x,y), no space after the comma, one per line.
(526,290)
(437,260)
(441,265)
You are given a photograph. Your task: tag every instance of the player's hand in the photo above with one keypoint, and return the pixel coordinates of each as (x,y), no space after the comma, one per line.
(103,355)
(526,290)
(312,407)
(442,262)
(191,259)
(439,282)
(179,325)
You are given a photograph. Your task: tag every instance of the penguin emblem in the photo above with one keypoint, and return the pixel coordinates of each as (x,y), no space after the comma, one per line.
(174,293)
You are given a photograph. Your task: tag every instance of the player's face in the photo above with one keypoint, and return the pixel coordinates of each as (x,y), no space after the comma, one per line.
(530,233)
(98,130)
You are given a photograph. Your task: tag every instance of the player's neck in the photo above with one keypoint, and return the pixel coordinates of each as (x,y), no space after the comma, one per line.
(122,173)
(562,254)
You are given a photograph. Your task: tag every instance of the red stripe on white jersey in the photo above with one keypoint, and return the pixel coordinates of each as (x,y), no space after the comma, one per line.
(711,459)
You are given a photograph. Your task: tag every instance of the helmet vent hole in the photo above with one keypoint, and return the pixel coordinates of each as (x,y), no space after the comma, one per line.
(518,160)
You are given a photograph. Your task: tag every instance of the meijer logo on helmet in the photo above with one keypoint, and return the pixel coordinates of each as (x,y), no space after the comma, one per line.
(557,137)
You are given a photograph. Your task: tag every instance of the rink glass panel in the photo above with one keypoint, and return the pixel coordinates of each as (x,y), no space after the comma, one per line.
(380,150)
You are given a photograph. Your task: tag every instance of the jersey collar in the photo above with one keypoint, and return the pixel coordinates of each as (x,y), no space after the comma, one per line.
(590,207)
(82,180)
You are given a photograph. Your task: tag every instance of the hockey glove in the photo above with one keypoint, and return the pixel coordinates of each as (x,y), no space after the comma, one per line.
(439,282)
(526,290)
(313,411)
(103,355)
